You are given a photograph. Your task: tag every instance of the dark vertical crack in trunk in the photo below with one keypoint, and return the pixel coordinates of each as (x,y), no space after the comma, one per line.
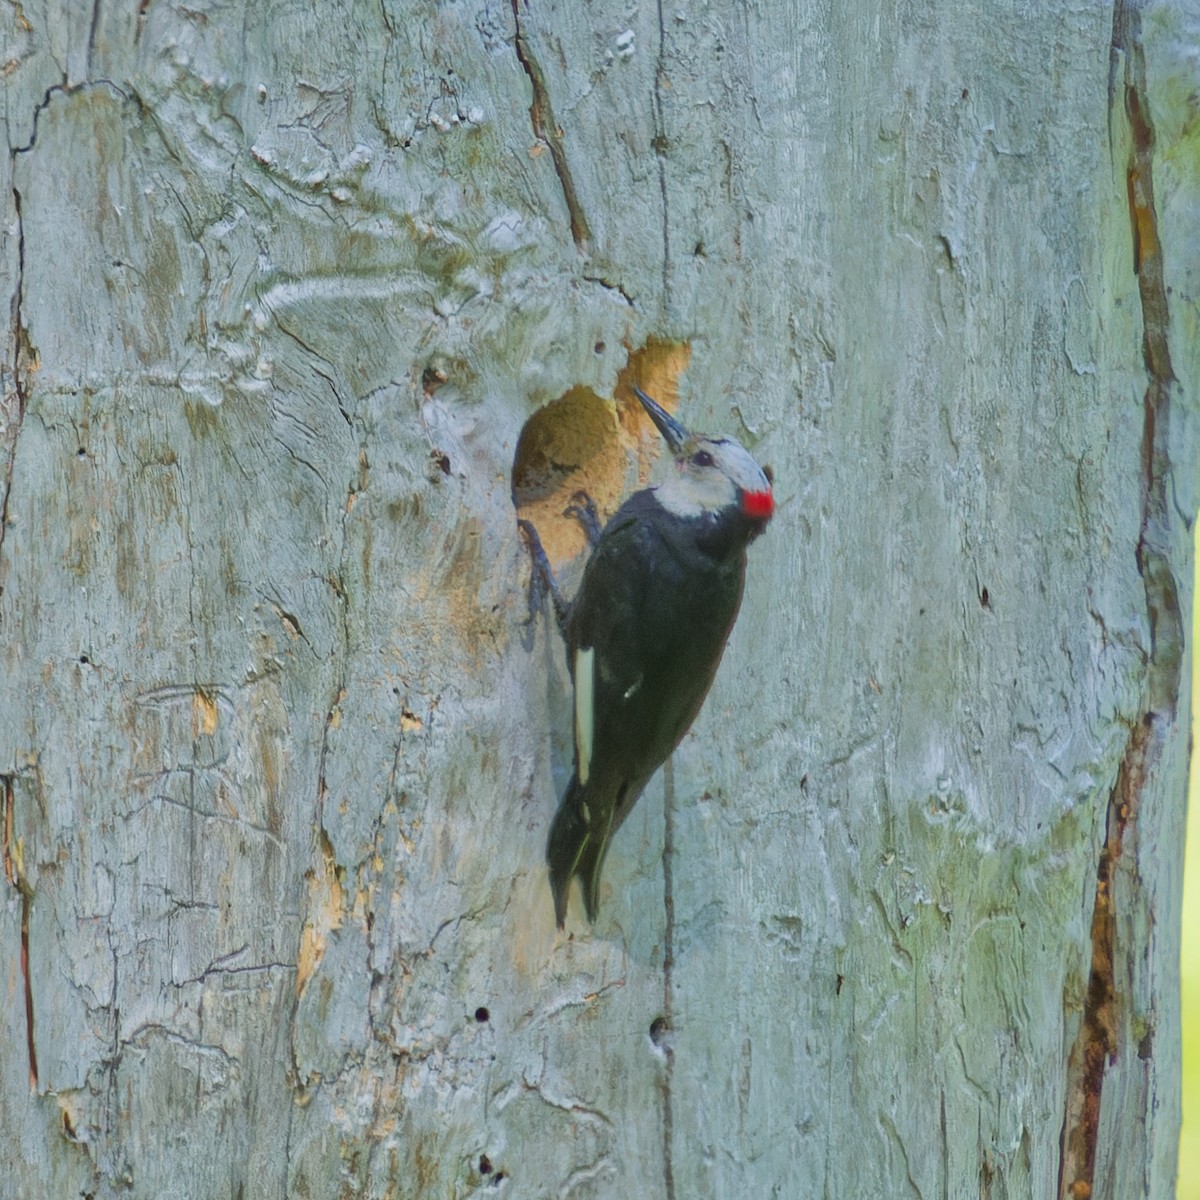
(1101,1037)
(660,149)
(19,359)
(92,31)
(668,1014)
(546,129)
(26,905)
(10,864)
(23,357)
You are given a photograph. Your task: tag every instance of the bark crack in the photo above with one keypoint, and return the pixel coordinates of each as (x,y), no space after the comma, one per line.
(1101,1037)
(92,30)
(668,1015)
(1097,1044)
(609,286)
(547,130)
(318,923)
(10,854)
(24,357)
(660,147)
(31,1046)
(333,714)
(14,875)
(21,356)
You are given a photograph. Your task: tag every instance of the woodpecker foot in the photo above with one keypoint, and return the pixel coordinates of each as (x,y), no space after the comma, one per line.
(542,579)
(583,509)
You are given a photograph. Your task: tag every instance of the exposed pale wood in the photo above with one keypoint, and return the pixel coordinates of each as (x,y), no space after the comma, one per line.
(279,756)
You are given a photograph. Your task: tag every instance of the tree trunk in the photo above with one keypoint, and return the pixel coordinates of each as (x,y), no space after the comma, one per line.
(303,298)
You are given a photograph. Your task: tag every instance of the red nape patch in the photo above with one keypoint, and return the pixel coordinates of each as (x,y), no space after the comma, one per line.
(759,505)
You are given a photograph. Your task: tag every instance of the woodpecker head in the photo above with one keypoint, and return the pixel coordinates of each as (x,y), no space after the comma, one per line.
(713,475)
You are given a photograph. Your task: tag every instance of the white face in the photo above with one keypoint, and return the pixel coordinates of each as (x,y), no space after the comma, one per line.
(709,476)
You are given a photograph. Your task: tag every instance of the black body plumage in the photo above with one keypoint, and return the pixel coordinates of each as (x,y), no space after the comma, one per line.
(645,634)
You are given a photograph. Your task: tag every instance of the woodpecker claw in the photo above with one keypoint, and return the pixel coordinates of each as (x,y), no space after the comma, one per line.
(583,509)
(541,579)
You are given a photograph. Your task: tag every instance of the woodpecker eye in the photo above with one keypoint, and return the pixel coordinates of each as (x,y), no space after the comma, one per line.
(702,458)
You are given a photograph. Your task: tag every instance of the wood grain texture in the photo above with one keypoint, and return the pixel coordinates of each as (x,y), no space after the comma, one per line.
(285,282)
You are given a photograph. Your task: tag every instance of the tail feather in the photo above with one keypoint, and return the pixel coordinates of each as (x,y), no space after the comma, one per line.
(590,865)
(578,842)
(569,836)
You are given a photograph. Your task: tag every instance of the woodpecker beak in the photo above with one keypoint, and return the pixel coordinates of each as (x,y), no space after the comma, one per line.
(672,431)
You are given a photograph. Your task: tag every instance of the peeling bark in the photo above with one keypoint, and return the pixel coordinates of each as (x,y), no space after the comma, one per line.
(15,877)
(1099,1042)
(1104,1037)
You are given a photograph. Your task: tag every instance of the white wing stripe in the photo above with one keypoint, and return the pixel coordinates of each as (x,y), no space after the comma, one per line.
(585,693)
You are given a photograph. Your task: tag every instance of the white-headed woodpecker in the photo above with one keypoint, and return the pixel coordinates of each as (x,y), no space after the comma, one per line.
(645,633)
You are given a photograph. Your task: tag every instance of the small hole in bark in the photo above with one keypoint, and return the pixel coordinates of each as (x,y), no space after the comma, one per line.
(985,599)
(482,1015)
(599,347)
(485,1165)
(81,453)
(659,1028)
(497,1178)
(432,378)
(83,658)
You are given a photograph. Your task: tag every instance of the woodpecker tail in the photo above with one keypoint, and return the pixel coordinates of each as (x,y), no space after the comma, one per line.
(575,847)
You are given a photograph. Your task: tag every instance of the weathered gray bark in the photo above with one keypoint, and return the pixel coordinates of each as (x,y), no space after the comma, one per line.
(286,282)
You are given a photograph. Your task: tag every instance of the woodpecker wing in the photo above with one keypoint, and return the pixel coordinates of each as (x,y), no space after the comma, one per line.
(646,631)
